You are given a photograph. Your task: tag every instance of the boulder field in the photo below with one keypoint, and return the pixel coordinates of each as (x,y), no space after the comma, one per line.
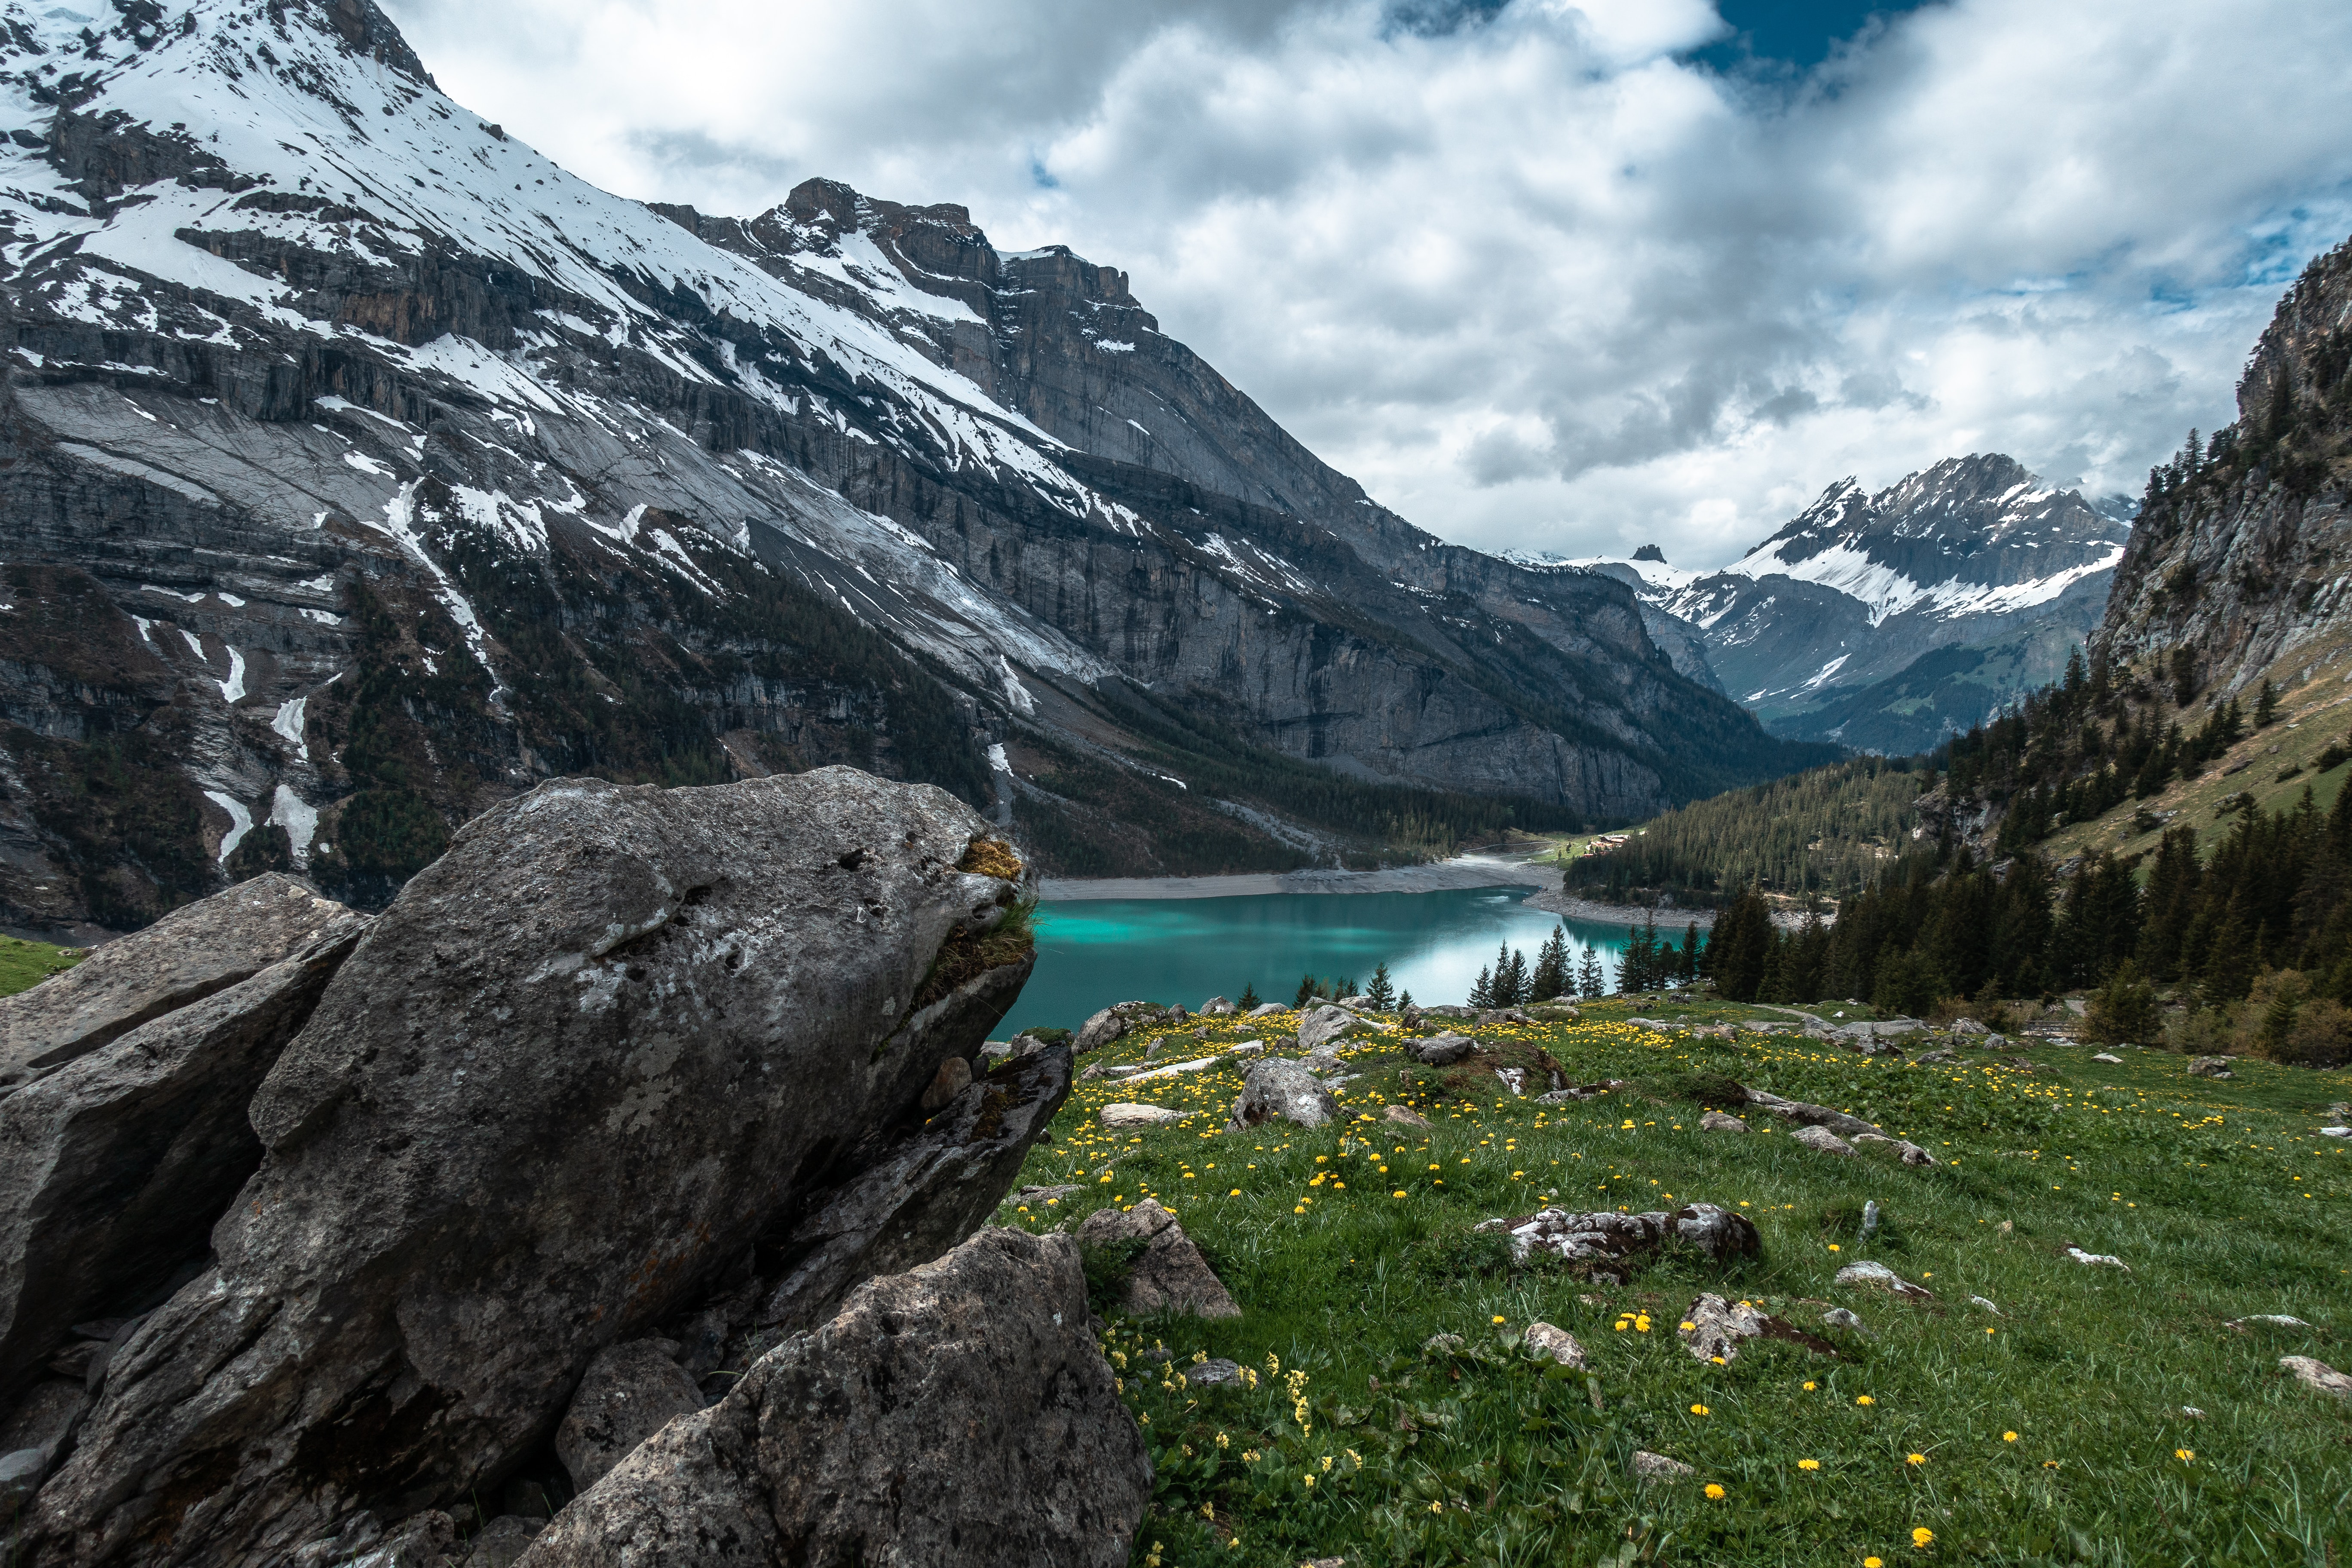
(639,1116)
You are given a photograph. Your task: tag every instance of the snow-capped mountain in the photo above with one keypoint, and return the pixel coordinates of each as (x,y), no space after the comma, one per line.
(358,467)
(1973,553)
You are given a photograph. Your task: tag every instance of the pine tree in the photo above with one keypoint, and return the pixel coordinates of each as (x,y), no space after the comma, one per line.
(1593,985)
(1686,971)
(1306,991)
(1380,993)
(1404,1002)
(1482,992)
(1742,942)
(1249,998)
(2266,704)
(1551,976)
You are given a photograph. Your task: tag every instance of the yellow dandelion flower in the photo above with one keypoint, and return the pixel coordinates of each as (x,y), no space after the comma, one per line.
(1863,1399)
(1915,1458)
(1714,1491)
(1699,1410)
(1809,1464)
(2184,1455)
(1873,1563)
(1810,1386)
(1501,1319)
(2009,1437)
(1922,1537)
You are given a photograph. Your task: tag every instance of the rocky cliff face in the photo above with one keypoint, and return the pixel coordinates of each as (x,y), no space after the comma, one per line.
(2239,558)
(358,469)
(1885,621)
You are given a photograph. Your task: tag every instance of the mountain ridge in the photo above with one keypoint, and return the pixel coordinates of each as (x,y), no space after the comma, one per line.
(391,468)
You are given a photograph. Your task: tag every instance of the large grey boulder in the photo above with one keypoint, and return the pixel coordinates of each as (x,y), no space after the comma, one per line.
(629,1393)
(564,1082)
(1169,1274)
(1284,1088)
(207,946)
(115,1163)
(1330,1023)
(958,1414)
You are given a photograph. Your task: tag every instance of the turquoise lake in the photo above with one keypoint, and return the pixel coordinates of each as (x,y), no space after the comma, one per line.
(1093,953)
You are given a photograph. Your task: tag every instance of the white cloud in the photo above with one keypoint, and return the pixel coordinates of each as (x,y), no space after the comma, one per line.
(1533,278)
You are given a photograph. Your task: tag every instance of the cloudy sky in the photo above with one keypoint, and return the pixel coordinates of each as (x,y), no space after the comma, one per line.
(1549,276)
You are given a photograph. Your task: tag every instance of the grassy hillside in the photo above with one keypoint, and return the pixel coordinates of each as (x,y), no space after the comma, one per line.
(23,964)
(2313,713)
(2091,1415)
(1829,830)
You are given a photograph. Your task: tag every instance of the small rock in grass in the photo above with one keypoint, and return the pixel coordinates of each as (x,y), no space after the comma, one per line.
(1404,1116)
(2192,1413)
(1325,1562)
(1717,1121)
(1927,1057)
(1987,1306)
(1839,1318)
(1035,1195)
(1216,1007)
(2101,1259)
(1514,1078)
(2210,1066)
(2335,1132)
(1821,1138)
(1557,1344)
(1124,1115)
(1442,1050)
(1170,1275)
(1215,1373)
(1282,1089)
(1248,1048)
(1441,1344)
(1656,1468)
(1912,1154)
(2108,1057)
(2318,1375)
(2267,1321)
(1714,1328)
(1265,1010)
(1970,1026)
(1885,1278)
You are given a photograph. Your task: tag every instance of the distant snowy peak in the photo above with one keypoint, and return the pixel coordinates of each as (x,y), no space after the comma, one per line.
(1970,535)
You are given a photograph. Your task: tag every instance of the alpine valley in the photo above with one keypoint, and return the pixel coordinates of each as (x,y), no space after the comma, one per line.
(359,467)
(1888,621)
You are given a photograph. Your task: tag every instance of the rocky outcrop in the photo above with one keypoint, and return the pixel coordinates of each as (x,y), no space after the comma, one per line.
(958,1412)
(559,1093)
(2238,558)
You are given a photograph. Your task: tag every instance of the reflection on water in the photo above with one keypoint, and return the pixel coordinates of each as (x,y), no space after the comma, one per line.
(1091,953)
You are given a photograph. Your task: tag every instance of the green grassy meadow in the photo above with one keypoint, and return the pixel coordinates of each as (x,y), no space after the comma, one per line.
(25,964)
(2050,1429)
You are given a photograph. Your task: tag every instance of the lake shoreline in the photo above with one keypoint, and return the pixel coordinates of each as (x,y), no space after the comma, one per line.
(1462,872)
